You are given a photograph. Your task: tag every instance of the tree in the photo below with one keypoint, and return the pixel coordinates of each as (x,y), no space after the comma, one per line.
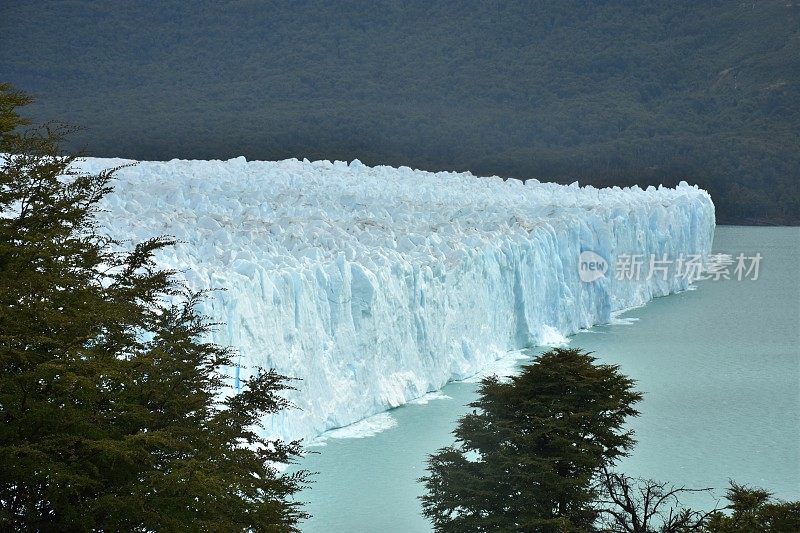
(526,457)
(114,416)
(754,509)
(628,505)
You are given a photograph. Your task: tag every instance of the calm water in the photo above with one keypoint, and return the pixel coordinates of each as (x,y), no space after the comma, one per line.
(720,368)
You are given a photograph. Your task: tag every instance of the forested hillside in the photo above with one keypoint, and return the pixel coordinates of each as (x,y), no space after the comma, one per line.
(611,92)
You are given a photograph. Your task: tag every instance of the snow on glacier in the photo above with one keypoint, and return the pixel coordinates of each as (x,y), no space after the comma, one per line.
(377,285)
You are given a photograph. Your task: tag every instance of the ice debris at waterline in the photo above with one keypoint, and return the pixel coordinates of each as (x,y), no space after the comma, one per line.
(376,285)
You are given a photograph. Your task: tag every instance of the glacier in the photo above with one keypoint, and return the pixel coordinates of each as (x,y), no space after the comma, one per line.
(377,285)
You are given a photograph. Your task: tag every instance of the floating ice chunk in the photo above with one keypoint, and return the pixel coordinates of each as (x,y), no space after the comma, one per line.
(368,427)
(505,367)
(431,396)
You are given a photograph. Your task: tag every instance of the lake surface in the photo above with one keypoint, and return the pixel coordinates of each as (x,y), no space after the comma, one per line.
(719,366)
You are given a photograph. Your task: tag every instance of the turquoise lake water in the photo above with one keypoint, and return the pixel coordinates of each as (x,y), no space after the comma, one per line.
(720,369)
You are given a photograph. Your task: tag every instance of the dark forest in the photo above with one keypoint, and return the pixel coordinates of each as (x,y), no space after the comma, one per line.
(605,93)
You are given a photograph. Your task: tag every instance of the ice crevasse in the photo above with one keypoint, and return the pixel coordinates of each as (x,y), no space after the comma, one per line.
(376,285)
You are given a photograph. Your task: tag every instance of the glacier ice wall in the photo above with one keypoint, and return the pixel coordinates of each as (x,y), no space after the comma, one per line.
(376,285)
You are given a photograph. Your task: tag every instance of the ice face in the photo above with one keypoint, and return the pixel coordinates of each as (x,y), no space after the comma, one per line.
(376,285)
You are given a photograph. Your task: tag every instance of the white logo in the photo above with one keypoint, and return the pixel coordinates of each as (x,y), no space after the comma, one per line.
(591,266)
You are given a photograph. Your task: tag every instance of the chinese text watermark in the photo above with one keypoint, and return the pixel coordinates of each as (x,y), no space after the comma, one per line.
(692,267)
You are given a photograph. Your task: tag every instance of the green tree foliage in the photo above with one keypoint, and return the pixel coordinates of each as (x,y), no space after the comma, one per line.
(754,510)
(112,411)
(608,93)
(526,457)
